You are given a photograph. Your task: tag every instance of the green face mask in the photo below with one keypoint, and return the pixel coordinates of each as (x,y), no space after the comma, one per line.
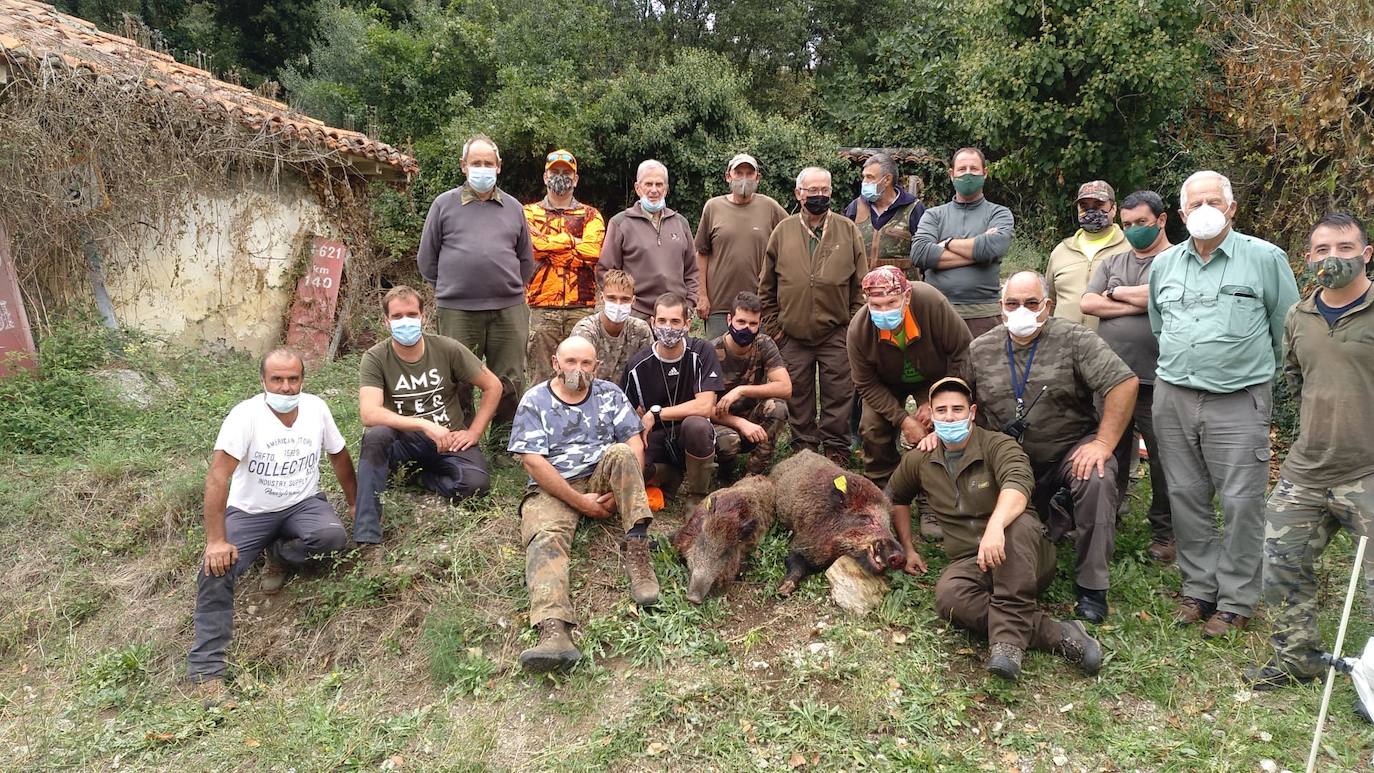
(1142,236)
(968,184)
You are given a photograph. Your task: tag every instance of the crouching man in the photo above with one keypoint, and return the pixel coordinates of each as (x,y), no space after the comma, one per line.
(579,440)
(978,485)
(753,411)
(262,494)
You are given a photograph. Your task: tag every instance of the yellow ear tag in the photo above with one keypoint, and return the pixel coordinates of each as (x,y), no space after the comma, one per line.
(840,484)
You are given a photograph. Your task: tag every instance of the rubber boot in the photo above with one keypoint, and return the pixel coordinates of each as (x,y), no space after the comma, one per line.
(696,482)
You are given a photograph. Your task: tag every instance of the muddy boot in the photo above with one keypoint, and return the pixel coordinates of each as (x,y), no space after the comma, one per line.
(930,527)
(1004,660)
(1079,648)
(212,693)
(554,652)
(273,572)
(696,482)
(634,551)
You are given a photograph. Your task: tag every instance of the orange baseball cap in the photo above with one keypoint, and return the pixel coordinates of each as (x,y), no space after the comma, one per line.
(560,157)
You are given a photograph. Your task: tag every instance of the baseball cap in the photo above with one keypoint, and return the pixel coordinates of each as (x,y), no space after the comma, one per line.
(1097,189)
(959,384)
(560,157)
(741,158)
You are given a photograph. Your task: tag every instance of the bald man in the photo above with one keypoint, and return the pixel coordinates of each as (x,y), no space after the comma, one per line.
(579,440)
(262,494)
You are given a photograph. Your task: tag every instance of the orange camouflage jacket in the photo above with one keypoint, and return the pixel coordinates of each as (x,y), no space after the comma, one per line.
(566,245)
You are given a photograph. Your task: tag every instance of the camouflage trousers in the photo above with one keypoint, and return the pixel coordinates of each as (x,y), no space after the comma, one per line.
(1299,523)
(548,329)
(547,525)
(771,415)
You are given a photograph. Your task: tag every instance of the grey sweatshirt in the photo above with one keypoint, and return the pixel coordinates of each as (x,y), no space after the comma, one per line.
(980,282)
(476,252)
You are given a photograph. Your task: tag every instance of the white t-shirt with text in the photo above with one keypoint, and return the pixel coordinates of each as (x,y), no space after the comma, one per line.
(279,466)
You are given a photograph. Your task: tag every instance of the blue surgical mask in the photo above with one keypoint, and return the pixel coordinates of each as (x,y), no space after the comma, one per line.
(652,206)
(406,330)
(886,320)
(282,403)
(953,432)
(482,178)
(869,191)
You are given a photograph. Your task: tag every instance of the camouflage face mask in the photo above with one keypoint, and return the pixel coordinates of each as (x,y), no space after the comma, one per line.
(1335,272)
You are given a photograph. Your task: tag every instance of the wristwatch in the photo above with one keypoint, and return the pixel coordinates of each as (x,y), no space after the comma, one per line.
(657,411)
(1111,293)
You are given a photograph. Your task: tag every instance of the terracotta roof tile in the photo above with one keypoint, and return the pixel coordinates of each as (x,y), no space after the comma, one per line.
(32,32)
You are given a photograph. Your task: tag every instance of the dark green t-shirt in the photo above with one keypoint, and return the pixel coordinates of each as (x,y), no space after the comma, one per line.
(427,388)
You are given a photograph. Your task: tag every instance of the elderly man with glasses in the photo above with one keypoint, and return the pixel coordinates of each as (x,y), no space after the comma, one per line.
(1039,378)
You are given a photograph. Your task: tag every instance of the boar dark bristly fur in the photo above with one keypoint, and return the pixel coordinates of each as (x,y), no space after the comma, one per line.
(829,520)
(721,532)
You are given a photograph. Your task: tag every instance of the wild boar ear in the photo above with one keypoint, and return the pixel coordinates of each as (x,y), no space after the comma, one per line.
(839,489)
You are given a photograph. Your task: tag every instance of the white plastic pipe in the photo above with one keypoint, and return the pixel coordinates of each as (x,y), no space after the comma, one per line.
(1331,671)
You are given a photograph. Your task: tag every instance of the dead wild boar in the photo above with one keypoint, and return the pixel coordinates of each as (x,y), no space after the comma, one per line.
(721,532)
(832,513)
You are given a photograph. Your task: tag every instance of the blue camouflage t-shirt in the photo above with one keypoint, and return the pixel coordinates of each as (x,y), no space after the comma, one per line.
(573,436)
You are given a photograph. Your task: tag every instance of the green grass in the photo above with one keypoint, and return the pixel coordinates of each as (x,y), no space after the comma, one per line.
(409,663)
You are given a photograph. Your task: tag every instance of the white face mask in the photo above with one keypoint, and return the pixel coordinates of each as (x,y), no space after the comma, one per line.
(617,312)
(1023,322)
(1206,222)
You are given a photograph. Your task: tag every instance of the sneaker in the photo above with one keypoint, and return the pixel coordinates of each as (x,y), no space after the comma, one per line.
(1079,648)
(1004,660)
(273,572)
(1162,551)
(634,552)
(1191,610)
(1223,623)
(1092,605)
(1272,676)
(554,652)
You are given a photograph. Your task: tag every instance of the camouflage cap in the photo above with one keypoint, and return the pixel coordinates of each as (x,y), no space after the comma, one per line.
(949,382)
(884,281)
(1097,189)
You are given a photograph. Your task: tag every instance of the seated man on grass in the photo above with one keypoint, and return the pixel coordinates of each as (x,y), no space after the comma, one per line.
(262,494)
(978,484)
(410,387)
(579,439)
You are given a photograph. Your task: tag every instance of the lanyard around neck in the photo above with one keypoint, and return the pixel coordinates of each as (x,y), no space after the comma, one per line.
(1019,381)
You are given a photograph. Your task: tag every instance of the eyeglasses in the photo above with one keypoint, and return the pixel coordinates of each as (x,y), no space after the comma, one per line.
(1011,304)
(816,191)
(560,155)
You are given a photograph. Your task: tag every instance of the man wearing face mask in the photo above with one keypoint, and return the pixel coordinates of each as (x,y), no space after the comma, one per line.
(566,238)
(753,410)
(652,243)
(1327,481)
(1118,294)
(1039,379)
(475,249)
(906,337)
(810,287)
(262,494)
(1074,260)
(408,386)
(978,484)
(616,334)
(673,384)
(959,245)
(579,440)
(731,238)
(1217,304)
(886,213)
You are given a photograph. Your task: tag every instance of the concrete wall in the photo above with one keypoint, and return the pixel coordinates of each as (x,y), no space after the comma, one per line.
(219,277)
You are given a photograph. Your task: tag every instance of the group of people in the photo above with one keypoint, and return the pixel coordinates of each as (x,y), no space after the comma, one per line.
(1007,411)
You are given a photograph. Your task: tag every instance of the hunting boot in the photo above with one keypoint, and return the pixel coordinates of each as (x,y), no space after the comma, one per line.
(555,650)
(696,483)
(273,572)
(634,551)
(212,693)
(930,527)
(1078,647)
(1004,660)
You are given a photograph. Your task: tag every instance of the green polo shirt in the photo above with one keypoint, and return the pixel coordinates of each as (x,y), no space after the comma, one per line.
(1220,323)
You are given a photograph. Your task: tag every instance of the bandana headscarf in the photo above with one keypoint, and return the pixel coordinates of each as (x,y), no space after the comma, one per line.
(884,281)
